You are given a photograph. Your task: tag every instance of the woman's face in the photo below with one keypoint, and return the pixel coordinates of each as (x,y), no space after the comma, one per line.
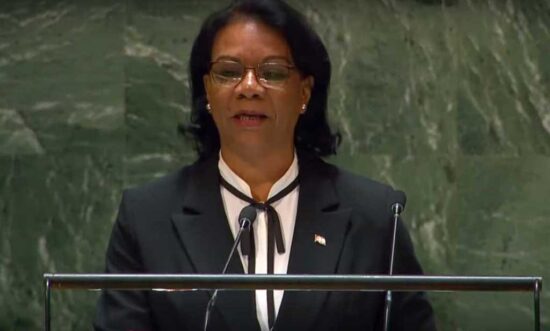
(247,113)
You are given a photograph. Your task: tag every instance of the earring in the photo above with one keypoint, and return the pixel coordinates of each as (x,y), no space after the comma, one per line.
(208,108)
(304,108)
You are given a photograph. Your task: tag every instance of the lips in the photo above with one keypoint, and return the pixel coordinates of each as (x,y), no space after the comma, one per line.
(249,118)
(250,115)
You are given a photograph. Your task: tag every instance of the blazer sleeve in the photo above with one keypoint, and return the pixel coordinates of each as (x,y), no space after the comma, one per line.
(123,310)
(410,311)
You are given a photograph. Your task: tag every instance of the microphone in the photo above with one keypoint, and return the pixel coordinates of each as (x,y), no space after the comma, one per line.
(399,199)
(246,218)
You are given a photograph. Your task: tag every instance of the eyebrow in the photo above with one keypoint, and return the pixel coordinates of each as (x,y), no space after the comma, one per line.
(265,60)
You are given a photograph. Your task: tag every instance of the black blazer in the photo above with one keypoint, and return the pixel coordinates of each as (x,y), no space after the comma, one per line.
(178,225)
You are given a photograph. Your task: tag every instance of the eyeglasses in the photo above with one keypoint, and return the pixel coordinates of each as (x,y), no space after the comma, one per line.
(231,73)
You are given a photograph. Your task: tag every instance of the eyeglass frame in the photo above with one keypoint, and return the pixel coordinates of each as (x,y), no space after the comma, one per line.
(255,69)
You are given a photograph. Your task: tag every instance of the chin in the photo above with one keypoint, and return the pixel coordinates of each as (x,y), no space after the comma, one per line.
(251,145)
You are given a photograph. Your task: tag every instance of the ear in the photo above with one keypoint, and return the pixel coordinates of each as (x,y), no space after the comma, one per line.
(307,87)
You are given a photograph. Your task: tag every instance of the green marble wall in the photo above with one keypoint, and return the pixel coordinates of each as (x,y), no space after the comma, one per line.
(450,102)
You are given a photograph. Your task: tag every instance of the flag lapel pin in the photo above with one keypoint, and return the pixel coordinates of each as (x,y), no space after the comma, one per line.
(318,239)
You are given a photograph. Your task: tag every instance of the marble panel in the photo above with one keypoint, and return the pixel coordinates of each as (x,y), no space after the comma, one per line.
(56,216)
(61,76)
(157,39)
(58,40)
(473,215)
(388,93)
(501,228)
(448,100)
(430,184)
(503,95)
(38,117)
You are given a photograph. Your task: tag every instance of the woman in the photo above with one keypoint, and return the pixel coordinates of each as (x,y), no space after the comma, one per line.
(259,79)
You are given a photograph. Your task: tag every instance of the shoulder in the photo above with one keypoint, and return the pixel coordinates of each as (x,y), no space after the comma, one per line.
(368,200)
(164,193)
(161,187)
(350,187)
(353,182)
(359,189)
(367,197)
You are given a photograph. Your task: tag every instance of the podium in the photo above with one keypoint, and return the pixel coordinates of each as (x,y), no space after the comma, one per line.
(185,282)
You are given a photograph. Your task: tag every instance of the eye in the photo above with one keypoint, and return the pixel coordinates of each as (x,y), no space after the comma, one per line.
(227,70)
(274,72)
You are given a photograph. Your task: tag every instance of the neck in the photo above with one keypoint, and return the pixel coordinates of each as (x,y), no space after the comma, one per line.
(259,170)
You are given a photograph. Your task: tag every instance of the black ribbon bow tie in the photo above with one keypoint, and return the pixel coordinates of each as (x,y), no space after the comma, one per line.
(272,215)
(274,235)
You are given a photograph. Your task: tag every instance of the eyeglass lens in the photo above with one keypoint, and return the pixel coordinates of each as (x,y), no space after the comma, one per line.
(271,74)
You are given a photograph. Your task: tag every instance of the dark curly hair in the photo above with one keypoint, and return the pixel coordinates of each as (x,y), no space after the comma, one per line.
(312,133)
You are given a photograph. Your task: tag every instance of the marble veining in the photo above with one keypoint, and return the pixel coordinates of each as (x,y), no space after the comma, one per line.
(448,100)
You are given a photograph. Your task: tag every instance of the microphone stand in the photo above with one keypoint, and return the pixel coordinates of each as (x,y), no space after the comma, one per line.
(245,225)
(396,208)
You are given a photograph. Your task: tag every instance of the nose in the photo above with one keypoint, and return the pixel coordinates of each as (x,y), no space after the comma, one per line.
(249,86)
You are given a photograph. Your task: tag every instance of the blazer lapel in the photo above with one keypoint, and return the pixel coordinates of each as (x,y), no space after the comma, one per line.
(207,239)
(318,216)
